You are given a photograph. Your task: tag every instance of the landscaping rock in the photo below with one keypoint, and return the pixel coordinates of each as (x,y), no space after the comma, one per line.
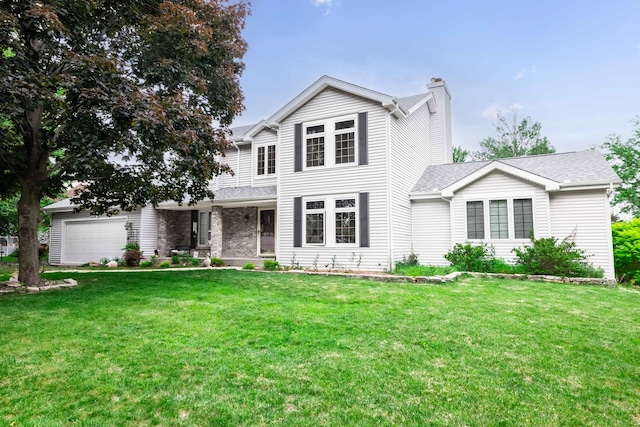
(112,264)
(33,289)
(71,282)
(13,279)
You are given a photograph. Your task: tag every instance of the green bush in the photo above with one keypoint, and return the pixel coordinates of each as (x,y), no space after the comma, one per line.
(271,265)
(175,259)
(146,264)
(626,250)
(248,266)
(217,262)
(549,256)
(468,257)
(131,246)
(165,264)
(195,262)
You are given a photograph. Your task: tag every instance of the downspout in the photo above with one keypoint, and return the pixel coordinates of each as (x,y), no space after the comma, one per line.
(389,210)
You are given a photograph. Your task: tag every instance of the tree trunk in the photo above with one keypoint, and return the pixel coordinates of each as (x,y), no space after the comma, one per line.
(28,219)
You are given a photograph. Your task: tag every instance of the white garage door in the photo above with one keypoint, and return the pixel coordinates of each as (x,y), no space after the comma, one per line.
(92,240)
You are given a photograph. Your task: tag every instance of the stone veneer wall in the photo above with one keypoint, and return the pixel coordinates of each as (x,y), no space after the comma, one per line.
(239,232)
(174,229)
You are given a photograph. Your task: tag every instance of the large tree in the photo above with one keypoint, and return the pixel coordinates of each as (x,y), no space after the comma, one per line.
(625,160)
(132,97)
(515,137)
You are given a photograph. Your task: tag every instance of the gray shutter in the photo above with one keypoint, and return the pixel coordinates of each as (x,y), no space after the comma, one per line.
(363,156)
(363,211)
(297,222)
(297,148)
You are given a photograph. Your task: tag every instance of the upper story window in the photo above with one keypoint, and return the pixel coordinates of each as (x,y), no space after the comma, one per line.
(266,161)
(506,219)
(331,142)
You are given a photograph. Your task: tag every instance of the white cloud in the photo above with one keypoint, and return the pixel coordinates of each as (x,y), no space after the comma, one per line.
(326,4)
(492,110)
(520,74)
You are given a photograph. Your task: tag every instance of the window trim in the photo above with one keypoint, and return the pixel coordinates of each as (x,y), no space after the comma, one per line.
(330,141)
(486,202)
(329,219)
(265,161)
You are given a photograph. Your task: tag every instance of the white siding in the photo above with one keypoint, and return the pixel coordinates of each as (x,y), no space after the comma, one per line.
(148,236)
(230,158)
(56,230)
(587,212)
(409,156)
(441,146)
(431,231)
(369,178)
(501,186)
(263,138)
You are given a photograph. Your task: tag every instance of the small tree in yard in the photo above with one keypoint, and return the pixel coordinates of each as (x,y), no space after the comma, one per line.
(120,95)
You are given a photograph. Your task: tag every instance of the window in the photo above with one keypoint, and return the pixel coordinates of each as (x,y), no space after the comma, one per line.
(499,219)
(475,220)
(345,221)
(266,162)
(314,220)
(503,216)
(204,229)
(523,218)
(315,146)
(345,141)
(330,143)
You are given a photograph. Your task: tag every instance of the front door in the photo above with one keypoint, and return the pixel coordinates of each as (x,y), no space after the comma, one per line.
(267,232)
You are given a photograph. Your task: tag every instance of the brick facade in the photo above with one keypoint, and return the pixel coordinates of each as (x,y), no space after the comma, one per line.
(239,232)
(174,229)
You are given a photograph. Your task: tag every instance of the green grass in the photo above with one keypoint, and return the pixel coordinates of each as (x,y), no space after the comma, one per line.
(422,270)
(227,347)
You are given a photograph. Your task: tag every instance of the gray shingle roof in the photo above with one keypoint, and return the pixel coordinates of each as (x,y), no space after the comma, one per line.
(407,102)
(583,167)
(245,193)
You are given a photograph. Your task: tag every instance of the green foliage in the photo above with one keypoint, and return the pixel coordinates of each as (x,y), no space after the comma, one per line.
(410,260)
(217,262)
(132,257)
(626,250)
(515,138)
(146,264)
(165,264)
(195,262)
(468,257)
(550,256)
(85,81)
(272,265)
(625,158)
(248,266)
(460,155)
(175,259)
(131,246)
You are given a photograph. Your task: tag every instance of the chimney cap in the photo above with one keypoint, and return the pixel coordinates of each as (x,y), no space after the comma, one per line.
(436,79)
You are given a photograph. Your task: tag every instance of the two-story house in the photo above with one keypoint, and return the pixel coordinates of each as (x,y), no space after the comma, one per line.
(344,176)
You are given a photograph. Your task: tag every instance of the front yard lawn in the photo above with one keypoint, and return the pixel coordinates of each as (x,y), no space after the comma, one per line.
(216,347)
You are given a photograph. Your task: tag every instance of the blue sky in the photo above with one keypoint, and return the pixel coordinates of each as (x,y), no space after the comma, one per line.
(574,66)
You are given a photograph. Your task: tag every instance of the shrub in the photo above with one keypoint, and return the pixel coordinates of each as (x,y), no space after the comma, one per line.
(165,264)
(130,246)
(271,265)
(626,250)
(468,257)
(217,262)
(132,257)
(498,265)
(248,266)
(548,256)
(195,262)
(175,259)
(410,260)
(146,264)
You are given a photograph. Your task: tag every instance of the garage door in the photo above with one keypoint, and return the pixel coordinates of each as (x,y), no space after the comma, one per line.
(92,240)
